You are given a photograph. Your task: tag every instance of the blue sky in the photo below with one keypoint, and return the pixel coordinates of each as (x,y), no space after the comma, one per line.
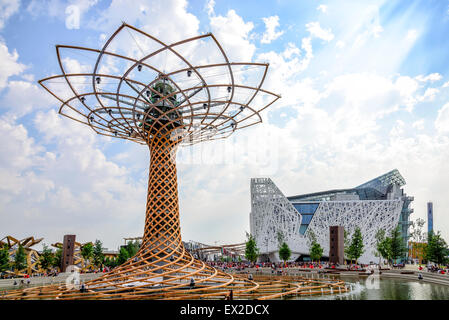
(364,85)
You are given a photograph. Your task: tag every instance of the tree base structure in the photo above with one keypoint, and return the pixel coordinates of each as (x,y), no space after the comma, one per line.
(218,287)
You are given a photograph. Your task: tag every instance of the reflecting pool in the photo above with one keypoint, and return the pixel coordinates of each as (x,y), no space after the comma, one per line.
(387,289)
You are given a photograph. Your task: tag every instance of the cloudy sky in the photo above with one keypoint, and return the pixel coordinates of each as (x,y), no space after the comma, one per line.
(364,85)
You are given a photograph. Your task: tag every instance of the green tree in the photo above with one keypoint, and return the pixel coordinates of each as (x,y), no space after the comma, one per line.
(46,258)
(347,244)
(356,247)
(397,248)
(132,248)
(57,259)
(122,256)
(4,259)
(383,246)
(110,262)
(87,252)
(20,261)
(436,250)
(97,253)
(284,252)
(315,252)
(251,250)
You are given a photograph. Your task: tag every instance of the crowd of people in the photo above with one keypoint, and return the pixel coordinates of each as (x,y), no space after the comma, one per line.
(436,269)
(51,273)
(240,266)
(280,267)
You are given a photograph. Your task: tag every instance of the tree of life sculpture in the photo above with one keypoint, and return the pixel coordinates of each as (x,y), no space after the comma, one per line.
(164,96)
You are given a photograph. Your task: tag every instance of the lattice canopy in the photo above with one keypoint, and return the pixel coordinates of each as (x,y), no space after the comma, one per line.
(136,85)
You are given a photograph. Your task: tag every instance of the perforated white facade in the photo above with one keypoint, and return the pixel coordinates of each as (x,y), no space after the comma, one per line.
(273,214)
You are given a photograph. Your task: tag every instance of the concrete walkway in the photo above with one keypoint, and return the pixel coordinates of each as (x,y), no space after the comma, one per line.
(39,281)
(430,277)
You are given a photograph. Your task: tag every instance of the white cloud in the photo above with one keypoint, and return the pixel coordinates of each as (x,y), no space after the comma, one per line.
(149,16)
(429,94)
(442,120)
(210,7)
(316,31)
(370,96)
(430,77)
(322,7)
(284,67)
(49,8)
(7,9)
(377,30)
(233,33)
(412,35)
(291,51)
(18,149)
(340,44)
(22,97)
(419,124)
(74,66)
(8,64)
(28,77)
(270,34)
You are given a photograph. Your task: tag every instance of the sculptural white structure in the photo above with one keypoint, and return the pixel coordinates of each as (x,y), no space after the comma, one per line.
(377,204)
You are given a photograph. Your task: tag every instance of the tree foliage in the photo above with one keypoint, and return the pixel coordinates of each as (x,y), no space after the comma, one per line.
(355,249)
(97,253)
(251,250)
(122,256)
(87,252)
(46,258)
(284,252)
(57,259)
(390,248)
(132,248)
(436,250)
(383,245)
(4,259)
(111,262)
(20,261)
(315,252)
(397,248)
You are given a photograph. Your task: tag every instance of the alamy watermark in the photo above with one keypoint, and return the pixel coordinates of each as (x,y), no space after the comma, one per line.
(373,280)
(73,279)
